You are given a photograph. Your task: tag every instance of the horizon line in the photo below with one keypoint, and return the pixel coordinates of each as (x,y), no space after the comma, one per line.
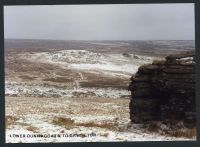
(102,39)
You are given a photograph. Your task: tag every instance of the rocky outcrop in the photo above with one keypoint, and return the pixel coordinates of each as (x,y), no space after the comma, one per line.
(165,91)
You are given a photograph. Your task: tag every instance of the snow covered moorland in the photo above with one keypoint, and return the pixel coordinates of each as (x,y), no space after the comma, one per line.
(82,59)
(72,96)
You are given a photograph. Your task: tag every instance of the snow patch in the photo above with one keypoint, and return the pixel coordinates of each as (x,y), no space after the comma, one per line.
(86,60)
(34,90)
(127,68)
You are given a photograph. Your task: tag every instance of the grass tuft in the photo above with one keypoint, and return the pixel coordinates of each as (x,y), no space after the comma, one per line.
(69,123)
(58,80)
(32,129)
(60,121)
(187,133)
(10,120)
(173,131)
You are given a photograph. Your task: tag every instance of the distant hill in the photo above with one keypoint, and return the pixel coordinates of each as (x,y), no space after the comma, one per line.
(144,47)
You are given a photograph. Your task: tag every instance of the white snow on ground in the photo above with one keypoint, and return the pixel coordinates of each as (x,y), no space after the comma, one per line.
(86,60)
(33,90)
(38,114)
(186,60)
(127,68)
(68,56)
(90,118)
(54,133)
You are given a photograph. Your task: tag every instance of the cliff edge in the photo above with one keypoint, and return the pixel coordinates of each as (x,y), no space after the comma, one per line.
(165,91)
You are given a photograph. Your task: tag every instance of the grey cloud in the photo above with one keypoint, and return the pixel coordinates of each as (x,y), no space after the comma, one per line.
(101,22)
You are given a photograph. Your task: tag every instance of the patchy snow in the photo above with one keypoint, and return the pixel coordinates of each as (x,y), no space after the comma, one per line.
(90,118)
(47,132)
(40,113)
(25,101)
(68,56)
(86,60)
(126,68)
(187,60)
(34,90)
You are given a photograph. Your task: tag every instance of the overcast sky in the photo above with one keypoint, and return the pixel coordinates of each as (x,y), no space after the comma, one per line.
(101,22)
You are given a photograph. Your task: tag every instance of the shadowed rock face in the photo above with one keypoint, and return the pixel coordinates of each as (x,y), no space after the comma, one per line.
(165,91)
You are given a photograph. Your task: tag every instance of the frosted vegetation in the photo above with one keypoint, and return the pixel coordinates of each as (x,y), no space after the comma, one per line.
(73,92)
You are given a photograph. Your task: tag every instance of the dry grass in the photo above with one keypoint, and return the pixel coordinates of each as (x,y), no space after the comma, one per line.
(32,129)
(120,83)
(188,133)
(60,121)
(25,77)
(69,123)
(10,120)
(58,80)
(173,131)
(103,81)
(77,106)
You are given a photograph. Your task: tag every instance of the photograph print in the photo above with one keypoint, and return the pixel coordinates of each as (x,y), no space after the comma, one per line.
(99,73)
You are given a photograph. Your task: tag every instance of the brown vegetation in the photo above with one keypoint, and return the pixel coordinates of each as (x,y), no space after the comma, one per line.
(26,77)
(173,132)
(32,129)
(10,120)
(106,83)
(188,133)
(69,123)
(58,80)
(61,121)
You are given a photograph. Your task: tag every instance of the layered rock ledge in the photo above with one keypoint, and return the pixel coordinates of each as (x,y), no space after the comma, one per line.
(165,91)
